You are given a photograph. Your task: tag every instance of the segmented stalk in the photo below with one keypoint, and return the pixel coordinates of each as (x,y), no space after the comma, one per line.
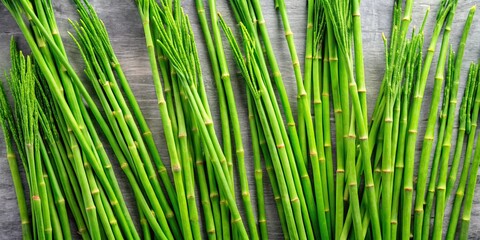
(460,192)
(430,131)
(442,179)
(414,116)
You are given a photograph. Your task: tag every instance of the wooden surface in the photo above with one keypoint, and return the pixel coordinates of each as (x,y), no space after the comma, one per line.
(126,33)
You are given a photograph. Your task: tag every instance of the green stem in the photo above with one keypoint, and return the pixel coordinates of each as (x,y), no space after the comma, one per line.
(430,131)
(460,192)
(83,140)
(414,115)
(284,192)
(359,63)
(6,120)
(438,150)
(339,130)
(442,179)
(56,194)
(291,144)
(203,186)
(186,163)
(166,121)
(262,216)
(327,143)
(352,182)
(413,68)
(469,195)
(270,171)
(318,111)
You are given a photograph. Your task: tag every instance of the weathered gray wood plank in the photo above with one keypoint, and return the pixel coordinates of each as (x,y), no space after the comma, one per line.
(123,23)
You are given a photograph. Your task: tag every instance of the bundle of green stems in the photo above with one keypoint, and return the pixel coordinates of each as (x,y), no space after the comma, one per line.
(93,169)
(22,128)
(226,100)
(47,152)
(133,143)
(354,179)
(188,125)
(465,127)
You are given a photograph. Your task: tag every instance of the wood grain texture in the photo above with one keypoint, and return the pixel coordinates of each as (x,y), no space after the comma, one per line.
(126,33)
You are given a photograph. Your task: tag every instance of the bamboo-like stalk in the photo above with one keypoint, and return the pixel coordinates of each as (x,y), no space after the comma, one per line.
(203,186)
(359,63)
(460,138)
(54,42)
(327,143)
(321,107)
(413,124)
(393,84)
(35,166)
(123,130)
(284,178)
(339,130)
(56,226)
(308,75)
(22,84)
(461,189)
(216,155)
(92,22)
(144,226)
(344,98)
(227,230)
(438,149)
(352,183)
(68,181)
(186,162)
(379,154)
(237,134)
(378,139)
(23,91)
(214,195)
(464,127)
(469,195)
(262,218)
(430,131)
(111,217)
(292,146)
(319,135)
(221,76)
(225,85)
(67,155)
(279,142)
(413,69)
(276,162)
(188,75)
(42,188)
(217,229)
(125,167)
(271,175)
(399,30)
(145,7)
(9,133)
(398,76)
(57,203)
(387,137)
(106,229)
(291,140)
(446,147)
(361,125)
(387,161)
(201,97)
